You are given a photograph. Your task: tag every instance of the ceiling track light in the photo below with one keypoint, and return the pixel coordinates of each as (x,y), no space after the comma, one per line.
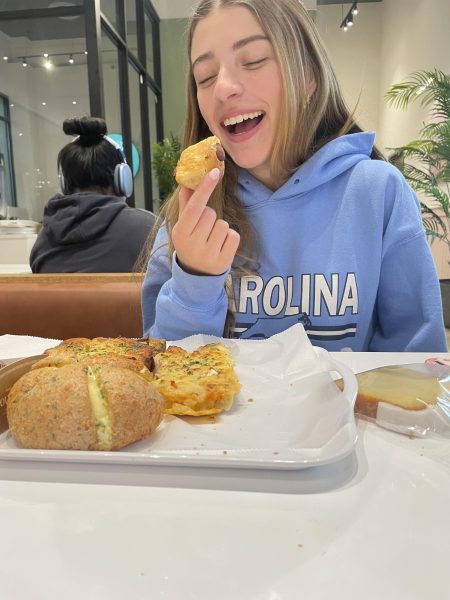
(348,21)
(44,60)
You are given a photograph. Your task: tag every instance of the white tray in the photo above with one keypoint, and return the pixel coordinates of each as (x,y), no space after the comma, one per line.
(289,415)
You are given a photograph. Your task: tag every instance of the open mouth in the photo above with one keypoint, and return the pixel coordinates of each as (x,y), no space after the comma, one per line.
(243,123)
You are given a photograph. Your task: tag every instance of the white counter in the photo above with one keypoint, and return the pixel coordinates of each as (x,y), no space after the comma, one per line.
(15,249)
(375,525)
(14,268)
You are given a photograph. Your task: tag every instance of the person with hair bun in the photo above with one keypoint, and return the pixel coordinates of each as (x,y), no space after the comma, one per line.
(90,228)
(308,224)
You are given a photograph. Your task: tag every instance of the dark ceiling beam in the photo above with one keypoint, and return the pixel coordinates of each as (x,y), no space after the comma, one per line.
(42,13)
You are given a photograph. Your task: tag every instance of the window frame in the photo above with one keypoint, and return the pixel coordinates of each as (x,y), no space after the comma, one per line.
(6,118)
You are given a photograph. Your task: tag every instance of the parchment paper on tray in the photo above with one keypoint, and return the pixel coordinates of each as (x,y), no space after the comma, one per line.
(411,399)
(21,346)
(288,398)
(287,353)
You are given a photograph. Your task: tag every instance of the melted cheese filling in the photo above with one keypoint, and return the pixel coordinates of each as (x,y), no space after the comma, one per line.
(100,410)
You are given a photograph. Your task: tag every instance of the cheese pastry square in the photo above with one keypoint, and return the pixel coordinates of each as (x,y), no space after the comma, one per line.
(196,383)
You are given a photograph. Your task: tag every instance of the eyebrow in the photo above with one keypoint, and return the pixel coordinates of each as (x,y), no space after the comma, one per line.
(236,46)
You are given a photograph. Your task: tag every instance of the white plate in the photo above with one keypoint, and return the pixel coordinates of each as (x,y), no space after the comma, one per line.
(289,415)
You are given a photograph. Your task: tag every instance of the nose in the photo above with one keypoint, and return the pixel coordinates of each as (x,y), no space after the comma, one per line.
(227,85)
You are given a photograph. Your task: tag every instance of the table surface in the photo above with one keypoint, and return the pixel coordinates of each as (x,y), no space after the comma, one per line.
(373,525)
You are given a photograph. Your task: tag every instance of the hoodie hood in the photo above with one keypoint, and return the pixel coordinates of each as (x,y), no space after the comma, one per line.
(80,217)
(326,164)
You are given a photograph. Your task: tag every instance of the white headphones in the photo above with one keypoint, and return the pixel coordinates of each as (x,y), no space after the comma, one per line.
(123,177)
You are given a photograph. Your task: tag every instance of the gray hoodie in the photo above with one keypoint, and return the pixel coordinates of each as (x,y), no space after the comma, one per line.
(88,232)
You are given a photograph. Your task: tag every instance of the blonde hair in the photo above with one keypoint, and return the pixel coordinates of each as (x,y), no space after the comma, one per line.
(320,118)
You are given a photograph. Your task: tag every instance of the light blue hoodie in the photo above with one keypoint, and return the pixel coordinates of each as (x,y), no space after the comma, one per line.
(342,250)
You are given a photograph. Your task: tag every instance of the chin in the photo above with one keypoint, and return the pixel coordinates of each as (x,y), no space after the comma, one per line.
(247,160)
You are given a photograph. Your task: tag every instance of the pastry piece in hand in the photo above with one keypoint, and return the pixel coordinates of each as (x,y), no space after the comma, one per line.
(196,383)
(79,407)
(197,160)
(125,352)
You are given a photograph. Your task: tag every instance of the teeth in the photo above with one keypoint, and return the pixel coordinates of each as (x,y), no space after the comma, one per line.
(240,118)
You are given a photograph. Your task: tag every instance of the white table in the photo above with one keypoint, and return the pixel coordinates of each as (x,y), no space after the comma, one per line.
(374,526)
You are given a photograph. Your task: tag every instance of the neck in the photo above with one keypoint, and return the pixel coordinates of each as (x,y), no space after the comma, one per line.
(108,191)
(271,181)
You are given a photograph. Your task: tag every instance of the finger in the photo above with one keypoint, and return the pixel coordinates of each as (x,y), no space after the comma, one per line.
(194,205)
(205,224)
(230,247)
(183,198)
(199,234)
(217,236)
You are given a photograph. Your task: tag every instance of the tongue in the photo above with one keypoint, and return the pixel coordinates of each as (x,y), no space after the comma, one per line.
(246,125)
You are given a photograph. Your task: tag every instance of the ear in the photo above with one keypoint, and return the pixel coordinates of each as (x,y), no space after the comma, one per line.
(311,85)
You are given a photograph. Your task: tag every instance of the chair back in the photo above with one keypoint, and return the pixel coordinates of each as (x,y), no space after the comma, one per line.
(69,305)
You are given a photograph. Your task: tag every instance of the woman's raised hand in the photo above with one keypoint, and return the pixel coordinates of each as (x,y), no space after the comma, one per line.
(205,245)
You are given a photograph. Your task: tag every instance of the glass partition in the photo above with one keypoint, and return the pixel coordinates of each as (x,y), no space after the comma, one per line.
(136,136)
(109,9)
(43,71)
(149,26)
(152,112)
(47,74)
(111,84)
(130,16)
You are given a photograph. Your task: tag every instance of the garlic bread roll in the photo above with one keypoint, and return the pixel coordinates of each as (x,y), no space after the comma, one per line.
(82,407)
(126,352)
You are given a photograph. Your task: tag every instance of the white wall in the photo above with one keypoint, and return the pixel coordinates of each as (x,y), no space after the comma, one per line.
(182,9)
(415,36)
(173,68)
(355,55)
(389,40)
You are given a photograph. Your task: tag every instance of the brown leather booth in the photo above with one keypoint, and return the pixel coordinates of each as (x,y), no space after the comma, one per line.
(71,305)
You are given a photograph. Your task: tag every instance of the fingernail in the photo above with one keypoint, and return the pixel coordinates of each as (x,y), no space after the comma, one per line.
(214,174)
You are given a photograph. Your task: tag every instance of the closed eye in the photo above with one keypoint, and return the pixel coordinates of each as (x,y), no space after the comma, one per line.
(255,63)
(205,81)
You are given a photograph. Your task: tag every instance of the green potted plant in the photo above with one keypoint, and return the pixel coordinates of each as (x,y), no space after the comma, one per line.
(165,158)
(425,162)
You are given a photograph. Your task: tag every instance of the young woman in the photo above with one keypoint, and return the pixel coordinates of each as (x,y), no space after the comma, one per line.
(90,228)
(308,224)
